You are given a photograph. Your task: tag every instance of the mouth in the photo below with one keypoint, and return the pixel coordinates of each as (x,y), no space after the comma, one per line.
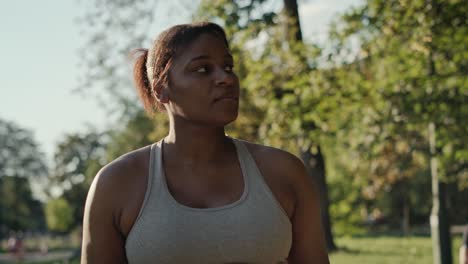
(227,98)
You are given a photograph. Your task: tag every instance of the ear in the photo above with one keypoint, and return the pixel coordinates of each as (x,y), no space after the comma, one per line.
(163,96)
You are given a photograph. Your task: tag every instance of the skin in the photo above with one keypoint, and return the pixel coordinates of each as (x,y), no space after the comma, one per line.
(198,78)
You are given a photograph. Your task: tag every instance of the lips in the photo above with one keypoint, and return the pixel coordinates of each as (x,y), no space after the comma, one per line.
(227,98)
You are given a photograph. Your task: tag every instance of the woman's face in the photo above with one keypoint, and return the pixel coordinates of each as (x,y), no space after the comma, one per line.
(202,85)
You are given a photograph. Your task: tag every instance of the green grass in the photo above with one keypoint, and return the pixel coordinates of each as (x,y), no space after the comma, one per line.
(386,250)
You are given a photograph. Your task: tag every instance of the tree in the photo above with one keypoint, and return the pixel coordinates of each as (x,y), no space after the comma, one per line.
(415,88)
(20,155)
(18,209)
(59,215)
(20,161)
(136,132)
(77,159)
(408,55)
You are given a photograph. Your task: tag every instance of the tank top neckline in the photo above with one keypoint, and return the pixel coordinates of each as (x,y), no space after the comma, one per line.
(160,173)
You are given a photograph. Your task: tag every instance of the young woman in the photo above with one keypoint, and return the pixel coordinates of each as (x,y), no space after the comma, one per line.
(197,195)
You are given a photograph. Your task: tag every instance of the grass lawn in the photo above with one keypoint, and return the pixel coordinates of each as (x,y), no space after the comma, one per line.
(386,250)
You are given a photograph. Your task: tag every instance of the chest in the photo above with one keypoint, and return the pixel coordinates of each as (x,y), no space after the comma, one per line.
(214,186)
(205,186)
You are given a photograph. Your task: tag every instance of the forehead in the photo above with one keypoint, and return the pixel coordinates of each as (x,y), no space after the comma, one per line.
(205,44)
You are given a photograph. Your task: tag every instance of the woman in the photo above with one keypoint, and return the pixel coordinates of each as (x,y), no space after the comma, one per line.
(197,195)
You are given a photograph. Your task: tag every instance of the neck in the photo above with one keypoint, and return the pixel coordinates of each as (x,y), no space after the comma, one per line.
(191,143)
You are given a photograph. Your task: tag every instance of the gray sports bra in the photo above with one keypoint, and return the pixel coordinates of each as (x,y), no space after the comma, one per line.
(253,229)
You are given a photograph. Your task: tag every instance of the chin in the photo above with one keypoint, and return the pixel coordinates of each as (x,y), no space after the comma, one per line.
(226,118)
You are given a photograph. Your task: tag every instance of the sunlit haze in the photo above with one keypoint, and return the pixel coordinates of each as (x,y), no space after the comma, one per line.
(39,65)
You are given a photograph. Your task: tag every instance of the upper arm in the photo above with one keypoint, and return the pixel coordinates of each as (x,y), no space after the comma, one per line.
(102,240)
(308,237)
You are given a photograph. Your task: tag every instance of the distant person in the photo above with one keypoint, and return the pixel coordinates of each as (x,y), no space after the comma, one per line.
(19,246)
(43,245)
(464,247)
(198,195)
(11,242)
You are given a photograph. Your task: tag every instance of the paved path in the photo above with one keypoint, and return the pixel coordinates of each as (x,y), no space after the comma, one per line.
(38,257)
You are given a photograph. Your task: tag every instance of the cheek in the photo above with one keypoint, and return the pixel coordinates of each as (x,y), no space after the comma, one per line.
(190,100)
(183,90)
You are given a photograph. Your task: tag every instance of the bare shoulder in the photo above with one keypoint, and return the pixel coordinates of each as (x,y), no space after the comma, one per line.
(126,165)
(124,170)
(120,182)
(114,189)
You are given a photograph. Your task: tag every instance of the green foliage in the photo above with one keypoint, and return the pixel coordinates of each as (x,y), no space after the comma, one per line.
(19,155)
(408,73)
(406,54)
(345,184)
(20,162)
(18,209)
(59,215)
(77,159)
(136,131)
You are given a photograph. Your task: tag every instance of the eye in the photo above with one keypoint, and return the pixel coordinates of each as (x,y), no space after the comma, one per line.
(229,68)
(202,69)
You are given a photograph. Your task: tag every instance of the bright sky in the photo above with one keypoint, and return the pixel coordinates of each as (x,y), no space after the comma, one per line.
(39,64)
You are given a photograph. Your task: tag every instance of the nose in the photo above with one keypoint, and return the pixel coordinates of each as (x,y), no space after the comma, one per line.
(224,78)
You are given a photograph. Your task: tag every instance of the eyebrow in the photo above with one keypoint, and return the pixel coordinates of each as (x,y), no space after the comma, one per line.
(202,57)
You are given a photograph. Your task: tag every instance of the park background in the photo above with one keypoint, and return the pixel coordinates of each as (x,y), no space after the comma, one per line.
(370,94)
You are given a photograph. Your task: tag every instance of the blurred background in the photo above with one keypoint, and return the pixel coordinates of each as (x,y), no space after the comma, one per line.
(371,95)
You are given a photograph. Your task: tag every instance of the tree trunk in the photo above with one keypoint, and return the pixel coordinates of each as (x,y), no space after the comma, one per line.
(316,168)
(292,12)
(440,233)
(314,162)
(405,221)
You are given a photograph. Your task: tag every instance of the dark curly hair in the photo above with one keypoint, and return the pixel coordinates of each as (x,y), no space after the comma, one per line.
(151,68)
